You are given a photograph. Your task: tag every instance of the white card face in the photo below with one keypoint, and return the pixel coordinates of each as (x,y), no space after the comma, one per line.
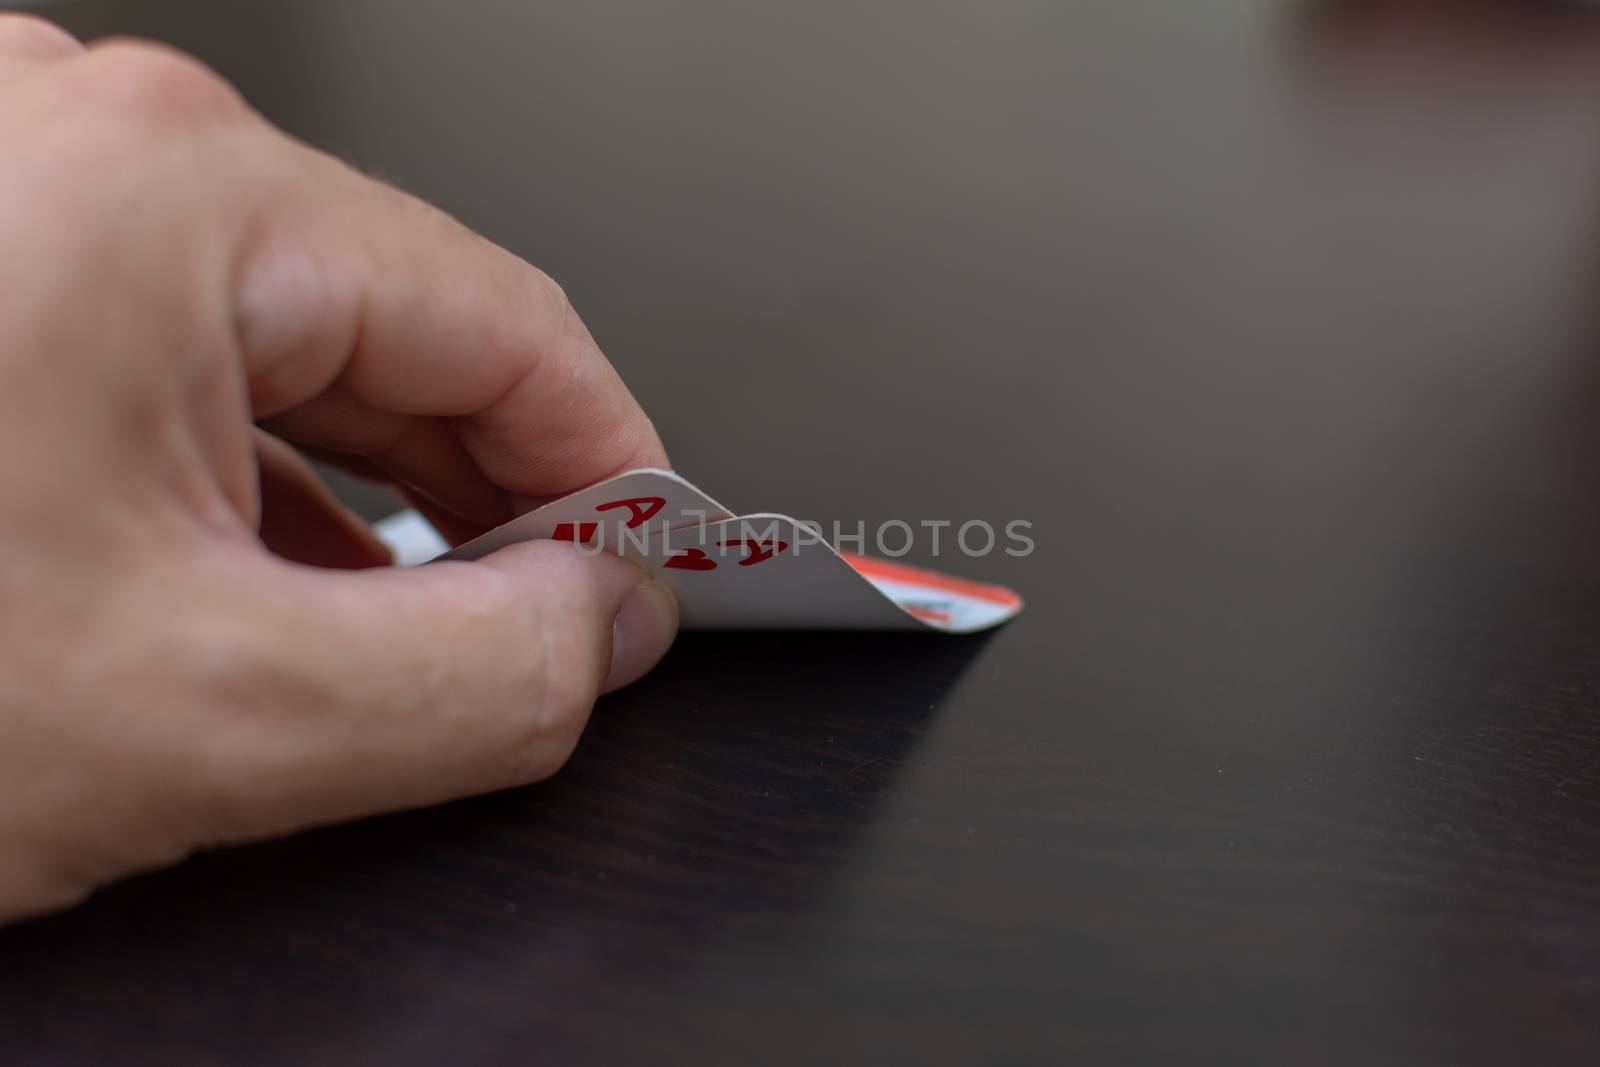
(410,537)
(769,572)
(601,514)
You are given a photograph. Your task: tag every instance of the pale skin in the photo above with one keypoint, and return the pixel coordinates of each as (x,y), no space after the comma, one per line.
(199,645)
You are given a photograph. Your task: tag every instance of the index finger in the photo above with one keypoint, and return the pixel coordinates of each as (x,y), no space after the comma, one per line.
(374,325)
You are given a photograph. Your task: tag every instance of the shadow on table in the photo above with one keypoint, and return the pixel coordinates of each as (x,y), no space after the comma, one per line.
(708,810)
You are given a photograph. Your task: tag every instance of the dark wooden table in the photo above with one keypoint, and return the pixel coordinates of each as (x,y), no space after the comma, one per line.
(1281,323)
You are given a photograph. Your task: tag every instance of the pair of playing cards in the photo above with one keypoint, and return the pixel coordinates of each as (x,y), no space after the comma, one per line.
(730,572)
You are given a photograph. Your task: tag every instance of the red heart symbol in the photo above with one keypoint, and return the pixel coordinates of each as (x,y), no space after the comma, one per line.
(692,559)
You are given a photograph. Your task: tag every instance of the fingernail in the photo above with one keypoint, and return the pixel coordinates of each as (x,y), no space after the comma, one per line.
(642,633)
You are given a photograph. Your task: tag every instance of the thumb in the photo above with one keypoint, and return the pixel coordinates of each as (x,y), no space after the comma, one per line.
(393,688)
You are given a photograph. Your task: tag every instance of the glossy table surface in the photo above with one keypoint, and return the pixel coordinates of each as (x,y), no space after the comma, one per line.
(1279,322)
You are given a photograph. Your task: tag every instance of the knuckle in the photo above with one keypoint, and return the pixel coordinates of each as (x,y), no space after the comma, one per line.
(32,37)
(161,82)
(550,312)
(551,295)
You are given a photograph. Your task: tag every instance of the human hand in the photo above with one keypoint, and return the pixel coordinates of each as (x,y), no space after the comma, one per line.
(183,290)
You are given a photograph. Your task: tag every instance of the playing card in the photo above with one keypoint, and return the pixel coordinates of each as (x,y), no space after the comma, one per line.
(769,572)
(952,604)
(763,571)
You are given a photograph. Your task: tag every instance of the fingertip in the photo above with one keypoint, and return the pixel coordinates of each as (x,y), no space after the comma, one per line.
(644,630)
(637,610)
